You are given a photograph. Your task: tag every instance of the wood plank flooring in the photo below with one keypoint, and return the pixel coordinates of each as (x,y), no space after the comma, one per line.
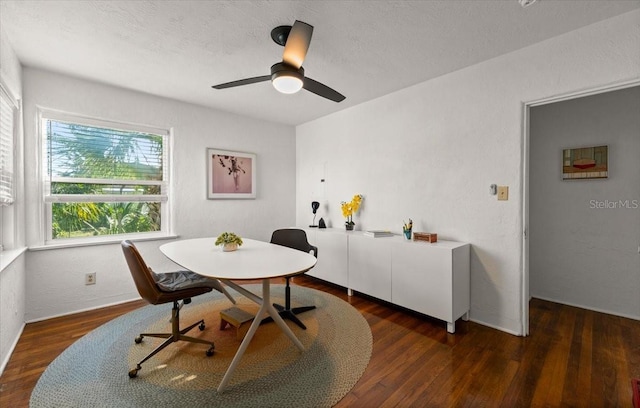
(573,357)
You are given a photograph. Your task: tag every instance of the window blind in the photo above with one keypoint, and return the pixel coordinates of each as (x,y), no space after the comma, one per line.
(7,125)
(88,163)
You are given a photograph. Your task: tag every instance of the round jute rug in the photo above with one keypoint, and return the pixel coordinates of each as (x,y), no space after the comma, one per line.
(272,373)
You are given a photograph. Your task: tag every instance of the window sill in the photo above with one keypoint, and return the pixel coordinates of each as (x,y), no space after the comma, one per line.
(9,255)
(99,241)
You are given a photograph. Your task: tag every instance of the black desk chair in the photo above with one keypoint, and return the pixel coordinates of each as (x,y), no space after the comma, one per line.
(296,239)
(177,287)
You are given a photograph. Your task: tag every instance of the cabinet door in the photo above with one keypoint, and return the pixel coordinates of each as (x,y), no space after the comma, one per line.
(332,256)
(422,279)
(370,266)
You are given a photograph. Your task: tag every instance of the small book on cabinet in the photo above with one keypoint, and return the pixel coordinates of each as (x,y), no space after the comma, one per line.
(378,233)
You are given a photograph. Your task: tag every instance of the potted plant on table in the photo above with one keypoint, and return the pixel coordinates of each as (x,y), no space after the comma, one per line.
(229,241)
(350,208)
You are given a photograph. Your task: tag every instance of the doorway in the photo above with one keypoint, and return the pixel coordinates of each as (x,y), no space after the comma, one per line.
(581,237)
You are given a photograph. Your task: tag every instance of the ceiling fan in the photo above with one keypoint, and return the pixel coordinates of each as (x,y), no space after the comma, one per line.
(288,76)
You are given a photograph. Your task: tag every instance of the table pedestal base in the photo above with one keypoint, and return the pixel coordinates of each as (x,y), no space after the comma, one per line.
(265,308)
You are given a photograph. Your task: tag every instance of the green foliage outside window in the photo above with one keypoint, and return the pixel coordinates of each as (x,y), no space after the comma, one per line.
(100,166)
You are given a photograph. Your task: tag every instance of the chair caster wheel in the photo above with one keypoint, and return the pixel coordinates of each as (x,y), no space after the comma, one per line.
(138,340)
(202,326)
(133,373)
(210,351)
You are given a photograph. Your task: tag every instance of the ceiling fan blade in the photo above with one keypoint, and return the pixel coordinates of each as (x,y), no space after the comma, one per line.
(241,82)
(295,50)
(322,90)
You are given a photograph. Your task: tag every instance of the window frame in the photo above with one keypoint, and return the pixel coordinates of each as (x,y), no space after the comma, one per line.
(166,224)
(8,209)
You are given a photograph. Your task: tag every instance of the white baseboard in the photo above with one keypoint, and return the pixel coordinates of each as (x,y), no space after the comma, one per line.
(493,326)
(595,309)
(83,310)
(6,359)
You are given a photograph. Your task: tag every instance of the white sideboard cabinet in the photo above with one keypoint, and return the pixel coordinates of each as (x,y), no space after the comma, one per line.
(333,259)
(370,266)
(430,278)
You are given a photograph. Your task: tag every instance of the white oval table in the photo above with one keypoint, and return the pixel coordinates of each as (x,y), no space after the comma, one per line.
(253,260)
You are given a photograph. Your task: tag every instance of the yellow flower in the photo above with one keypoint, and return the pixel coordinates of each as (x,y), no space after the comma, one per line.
(355,202)
(346,209)
(352,207)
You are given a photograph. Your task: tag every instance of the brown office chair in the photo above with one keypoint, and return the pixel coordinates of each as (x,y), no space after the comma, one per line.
(177,287)
(296,239)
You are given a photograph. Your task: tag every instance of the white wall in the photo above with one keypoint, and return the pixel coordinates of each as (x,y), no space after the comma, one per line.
(431,151)
(12,307)
(55,281)
(12,269)
(584,234)
(10,66)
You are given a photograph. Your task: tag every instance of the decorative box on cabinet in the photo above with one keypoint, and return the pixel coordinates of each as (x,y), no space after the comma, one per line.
(432,279)
(332,255)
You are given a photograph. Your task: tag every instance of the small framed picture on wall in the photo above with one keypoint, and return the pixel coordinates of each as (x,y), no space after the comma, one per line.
(585,163)
(230,174)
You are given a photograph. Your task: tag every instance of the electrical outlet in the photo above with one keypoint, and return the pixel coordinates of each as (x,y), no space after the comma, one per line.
(503,193)
(90,278)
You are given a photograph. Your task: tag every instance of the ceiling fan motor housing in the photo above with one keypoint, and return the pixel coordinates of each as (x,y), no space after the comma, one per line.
(280,68)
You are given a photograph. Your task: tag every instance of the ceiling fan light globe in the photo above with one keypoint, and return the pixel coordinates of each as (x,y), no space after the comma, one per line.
(287,79)
(287,84)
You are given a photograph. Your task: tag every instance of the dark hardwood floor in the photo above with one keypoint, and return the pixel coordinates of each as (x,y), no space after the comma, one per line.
(573,358)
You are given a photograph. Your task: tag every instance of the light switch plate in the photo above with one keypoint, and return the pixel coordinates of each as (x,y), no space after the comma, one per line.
(503,193)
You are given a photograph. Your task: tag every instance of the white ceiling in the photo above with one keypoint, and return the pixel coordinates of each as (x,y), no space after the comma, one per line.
(363,49)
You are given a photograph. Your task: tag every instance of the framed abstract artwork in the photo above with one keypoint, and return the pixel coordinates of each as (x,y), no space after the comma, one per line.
(230,174)
(585,163)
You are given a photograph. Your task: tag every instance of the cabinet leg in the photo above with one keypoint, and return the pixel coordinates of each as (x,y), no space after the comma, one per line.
(451,327)
(349,292)
(465,317)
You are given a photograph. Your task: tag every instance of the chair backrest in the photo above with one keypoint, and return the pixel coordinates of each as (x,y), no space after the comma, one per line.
(142,275)
(293,238)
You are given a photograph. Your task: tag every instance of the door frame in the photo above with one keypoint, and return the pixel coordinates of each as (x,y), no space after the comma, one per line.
(525,160)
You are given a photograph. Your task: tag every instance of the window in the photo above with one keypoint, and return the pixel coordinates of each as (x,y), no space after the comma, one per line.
(103,178)
(7,120)
(8,116)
